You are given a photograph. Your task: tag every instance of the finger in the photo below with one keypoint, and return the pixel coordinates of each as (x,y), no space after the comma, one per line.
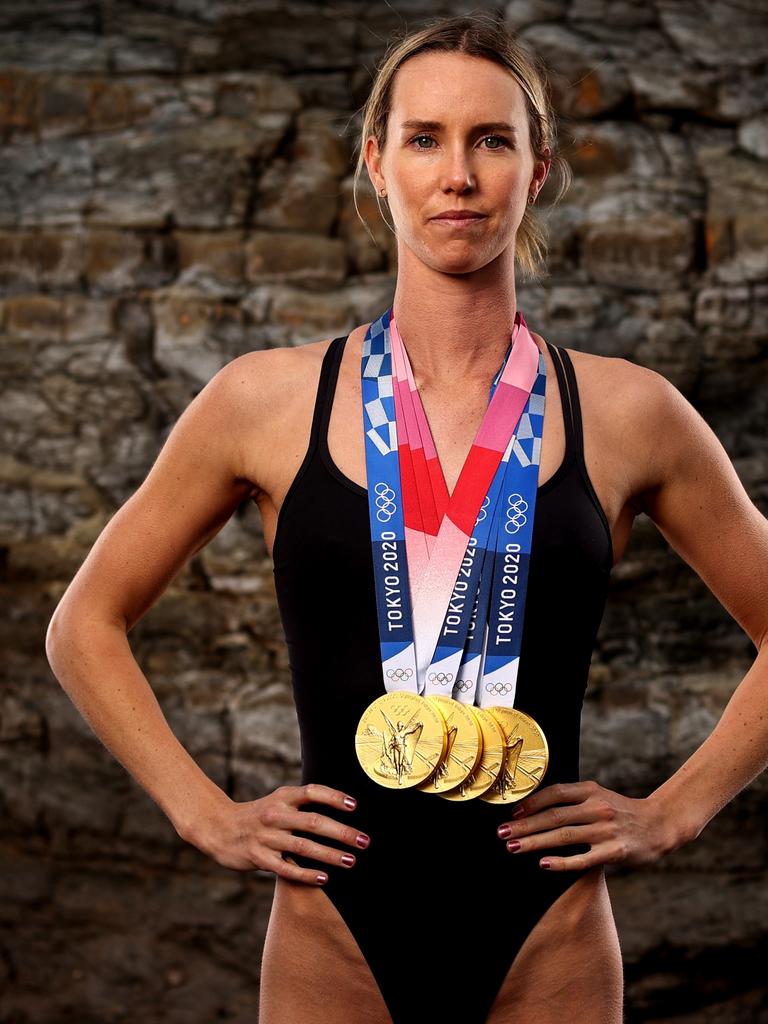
(577,862)
(559,793)
(566,836)
(315,792)
(552,818)
(287,868)
(318,851)
(319,825)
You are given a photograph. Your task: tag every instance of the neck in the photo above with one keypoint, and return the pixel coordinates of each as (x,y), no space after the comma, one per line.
(455,328)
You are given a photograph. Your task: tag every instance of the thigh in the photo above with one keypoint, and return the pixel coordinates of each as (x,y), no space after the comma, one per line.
(312,969)
(570,966)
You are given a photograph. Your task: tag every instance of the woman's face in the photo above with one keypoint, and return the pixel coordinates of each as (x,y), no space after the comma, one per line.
(461,157)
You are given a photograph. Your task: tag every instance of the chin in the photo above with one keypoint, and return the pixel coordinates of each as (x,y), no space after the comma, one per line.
(472,259)
(451,264)
(454,257)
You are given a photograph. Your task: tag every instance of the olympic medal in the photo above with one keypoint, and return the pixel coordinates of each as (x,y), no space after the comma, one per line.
(400,739)
(526,756)
(490,762)
(463,747)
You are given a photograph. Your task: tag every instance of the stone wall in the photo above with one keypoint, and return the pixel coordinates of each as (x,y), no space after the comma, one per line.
(175,191)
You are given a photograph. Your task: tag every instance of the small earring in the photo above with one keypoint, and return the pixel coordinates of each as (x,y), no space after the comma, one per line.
(383,192)
(531,199)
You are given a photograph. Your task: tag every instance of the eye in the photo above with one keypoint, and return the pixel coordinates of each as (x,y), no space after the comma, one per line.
(500,138)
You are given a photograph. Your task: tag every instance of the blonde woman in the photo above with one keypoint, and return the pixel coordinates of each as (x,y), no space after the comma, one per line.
(400,906)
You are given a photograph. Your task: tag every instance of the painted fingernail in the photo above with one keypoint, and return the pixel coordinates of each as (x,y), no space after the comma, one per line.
(347,858)
(362,840)
(514,845)
(322,877)
(503,831)
(519,812)
(349,801)
(545,864)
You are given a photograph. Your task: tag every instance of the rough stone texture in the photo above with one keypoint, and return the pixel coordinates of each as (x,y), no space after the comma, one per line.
(176,190)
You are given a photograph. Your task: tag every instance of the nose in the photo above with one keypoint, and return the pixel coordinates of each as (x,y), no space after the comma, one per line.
(457,173)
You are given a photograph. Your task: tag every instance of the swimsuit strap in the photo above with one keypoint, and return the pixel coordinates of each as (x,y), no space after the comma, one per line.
(574,441)
(575,404)
(325,388)
(569,399)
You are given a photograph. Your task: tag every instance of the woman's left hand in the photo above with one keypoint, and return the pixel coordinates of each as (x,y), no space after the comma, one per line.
(619,829)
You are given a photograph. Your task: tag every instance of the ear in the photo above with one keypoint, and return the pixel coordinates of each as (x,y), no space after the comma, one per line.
(372,156)
(541,168)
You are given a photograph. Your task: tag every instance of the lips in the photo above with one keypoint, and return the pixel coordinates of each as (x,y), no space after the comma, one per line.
(460,216)
(459,223)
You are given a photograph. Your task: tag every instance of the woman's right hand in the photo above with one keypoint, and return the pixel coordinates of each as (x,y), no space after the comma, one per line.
(256,833)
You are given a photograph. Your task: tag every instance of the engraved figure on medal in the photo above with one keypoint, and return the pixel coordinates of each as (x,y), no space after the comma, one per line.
(400,739)
(463,749)
(398,748)
(526,756)
(442,769)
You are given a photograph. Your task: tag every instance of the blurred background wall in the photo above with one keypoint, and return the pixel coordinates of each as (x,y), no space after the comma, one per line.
(175,191)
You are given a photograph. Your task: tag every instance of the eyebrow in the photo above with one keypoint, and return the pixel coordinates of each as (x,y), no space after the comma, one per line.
(436,126)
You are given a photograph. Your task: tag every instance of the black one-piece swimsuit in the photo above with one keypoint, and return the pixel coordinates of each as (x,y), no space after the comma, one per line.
(438,906)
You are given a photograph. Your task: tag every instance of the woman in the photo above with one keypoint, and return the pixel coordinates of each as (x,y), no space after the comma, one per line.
(429,909)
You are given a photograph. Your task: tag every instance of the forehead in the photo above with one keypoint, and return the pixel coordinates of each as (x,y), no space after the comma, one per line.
(446,86)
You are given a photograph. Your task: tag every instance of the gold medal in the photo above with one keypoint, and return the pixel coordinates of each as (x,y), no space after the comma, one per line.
(463,747)
(526,756)
(400,739)
(489,763)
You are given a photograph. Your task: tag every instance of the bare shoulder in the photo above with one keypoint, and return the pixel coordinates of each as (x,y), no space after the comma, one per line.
(686,483)
(621,405)
(624,386)
(264,373)
(599,370)
(651,425)
(270,395)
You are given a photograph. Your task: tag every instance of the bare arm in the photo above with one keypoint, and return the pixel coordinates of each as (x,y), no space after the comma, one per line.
(701,507)
(192,489)
(687,484)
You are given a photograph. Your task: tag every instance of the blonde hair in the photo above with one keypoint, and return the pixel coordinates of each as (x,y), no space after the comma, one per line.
(478,35)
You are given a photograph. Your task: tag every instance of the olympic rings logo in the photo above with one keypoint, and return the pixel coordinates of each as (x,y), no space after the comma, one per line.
(385,502)
(498,688)
(441,677)
(462,685)
(483,510)
(516,517)
(399,673)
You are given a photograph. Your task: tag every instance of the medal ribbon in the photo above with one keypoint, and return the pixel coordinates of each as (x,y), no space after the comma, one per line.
(429,618)
(491,657)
